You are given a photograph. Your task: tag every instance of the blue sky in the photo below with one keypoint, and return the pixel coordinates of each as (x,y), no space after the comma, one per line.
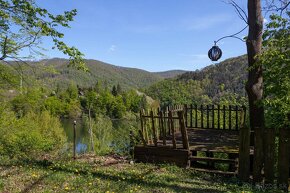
(155,35)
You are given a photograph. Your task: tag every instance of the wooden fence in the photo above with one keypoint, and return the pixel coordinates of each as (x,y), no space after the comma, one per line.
(215,116)
(158,125)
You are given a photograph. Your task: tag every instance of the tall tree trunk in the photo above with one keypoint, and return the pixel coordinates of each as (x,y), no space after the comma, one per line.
(255,82)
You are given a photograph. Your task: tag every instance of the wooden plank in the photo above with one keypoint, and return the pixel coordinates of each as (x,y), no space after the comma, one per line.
(162,155)
(212,159)
(215,172)
(153,128)
(172,130)
(244,154)
(283,158)
(183,130)
(269,155)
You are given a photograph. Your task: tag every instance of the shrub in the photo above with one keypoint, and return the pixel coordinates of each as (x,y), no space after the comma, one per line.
(30,136)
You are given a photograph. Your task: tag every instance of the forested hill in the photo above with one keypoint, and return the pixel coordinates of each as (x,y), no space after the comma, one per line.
(98,71)
(170,73)
(229,75)
(222,81)
(55,73)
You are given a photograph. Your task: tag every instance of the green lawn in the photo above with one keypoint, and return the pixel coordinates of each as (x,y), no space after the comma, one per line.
(101,175)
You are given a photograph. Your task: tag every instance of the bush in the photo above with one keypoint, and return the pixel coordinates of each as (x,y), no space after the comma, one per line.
(31,136)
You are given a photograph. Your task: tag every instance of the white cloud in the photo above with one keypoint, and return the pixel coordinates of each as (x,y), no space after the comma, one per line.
(112,48)
(265,20)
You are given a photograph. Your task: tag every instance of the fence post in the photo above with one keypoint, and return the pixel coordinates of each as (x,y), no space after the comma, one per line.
(269,155)
(283,159)
(244,154)
(74,150)
(183,130)
(162,128)
(153,128)
(171,126)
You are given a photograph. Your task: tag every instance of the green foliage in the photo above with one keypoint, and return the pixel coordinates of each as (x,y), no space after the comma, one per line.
(23,24)
(30,101)
(276,71)
(102,134)
(30,136)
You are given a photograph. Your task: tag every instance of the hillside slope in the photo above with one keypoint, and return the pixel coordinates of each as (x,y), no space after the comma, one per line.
(222,81)
(170,73)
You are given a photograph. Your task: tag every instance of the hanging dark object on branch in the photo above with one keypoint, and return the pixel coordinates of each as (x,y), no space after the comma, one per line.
(215,53)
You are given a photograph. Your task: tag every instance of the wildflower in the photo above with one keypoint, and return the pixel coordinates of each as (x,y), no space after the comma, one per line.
(66,188)
(34,175)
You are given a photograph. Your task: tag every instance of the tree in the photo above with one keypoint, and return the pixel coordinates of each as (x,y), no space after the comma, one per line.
(275,62)
(114,91)
(22,26)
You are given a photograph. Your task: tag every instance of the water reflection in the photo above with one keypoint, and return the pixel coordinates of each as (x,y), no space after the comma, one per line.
(119,135)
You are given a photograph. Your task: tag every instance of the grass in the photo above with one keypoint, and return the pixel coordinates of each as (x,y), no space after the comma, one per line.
(101,175)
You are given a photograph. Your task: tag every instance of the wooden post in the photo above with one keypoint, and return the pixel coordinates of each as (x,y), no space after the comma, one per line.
(131,151)
(186,117)
(196,116)
(153,128)
(219,124)
(162,128)
(269,155)
(283,158)
(74,150)
(141,121)
(146,134)
(201,110)
(172,129)
(207,116)
(244,154)
(142,138)
(183,130)
(224,117)
(230,117)
(212,117)
(242,118)
(237,117)
(191,107)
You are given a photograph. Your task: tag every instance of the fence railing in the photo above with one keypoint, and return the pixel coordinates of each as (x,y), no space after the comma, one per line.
(230,117)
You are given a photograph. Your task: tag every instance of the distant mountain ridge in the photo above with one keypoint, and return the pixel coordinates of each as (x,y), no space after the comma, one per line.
(55,73)
(170,73)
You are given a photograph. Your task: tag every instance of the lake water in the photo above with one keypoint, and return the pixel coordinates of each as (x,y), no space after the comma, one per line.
(116,139)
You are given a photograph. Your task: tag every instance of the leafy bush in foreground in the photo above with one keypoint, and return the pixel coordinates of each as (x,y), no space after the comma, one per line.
(30,136)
